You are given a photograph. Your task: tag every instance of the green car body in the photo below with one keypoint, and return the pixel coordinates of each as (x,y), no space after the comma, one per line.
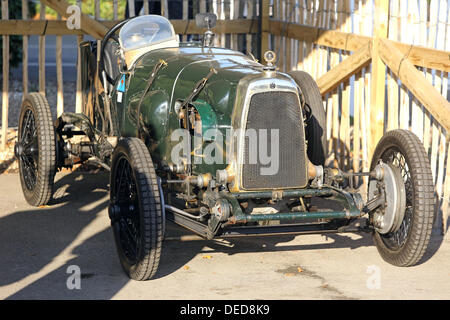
(174,82)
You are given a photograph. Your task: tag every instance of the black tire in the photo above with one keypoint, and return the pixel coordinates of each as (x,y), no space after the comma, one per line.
(36,150)
(316,126)
(134,186)
(406,246)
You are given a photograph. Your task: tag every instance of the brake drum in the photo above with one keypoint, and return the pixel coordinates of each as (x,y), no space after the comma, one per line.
(389,218)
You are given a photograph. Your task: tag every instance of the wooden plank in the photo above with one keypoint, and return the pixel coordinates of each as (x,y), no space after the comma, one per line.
(289,17)
(393,88)
(25,39)
(344,101)
(146,7)
(334,60)
(280,45)
(165,8)
(59,76)
(441,84)
(131,8)
(344,70)
(115,9)
(416,108)
(78,96)
(367,15)
(378,75)
(185,17)
(328,98)
(446,198)
(358,94)
(88,25)
(404,36)
(5,89)
(432,39)
(265,27)
(301,43)
(42,55)
(308,44)
(436,104)
(249,37)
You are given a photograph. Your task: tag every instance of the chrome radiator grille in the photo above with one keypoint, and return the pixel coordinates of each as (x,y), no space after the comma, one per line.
(280,111)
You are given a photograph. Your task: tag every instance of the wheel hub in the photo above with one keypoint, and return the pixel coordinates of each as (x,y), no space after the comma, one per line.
(389,217)
(18,150)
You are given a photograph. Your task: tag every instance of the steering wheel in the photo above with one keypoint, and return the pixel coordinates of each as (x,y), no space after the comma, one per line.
(109,35)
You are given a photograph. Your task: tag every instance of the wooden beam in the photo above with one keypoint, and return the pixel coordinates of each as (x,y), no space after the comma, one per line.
(223,26)
(329,38)
(55,27)
(414,80)
(419,56)
(345,69)
(377,89)
(88,25)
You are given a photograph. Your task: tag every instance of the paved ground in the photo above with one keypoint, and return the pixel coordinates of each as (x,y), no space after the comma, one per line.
(37,245)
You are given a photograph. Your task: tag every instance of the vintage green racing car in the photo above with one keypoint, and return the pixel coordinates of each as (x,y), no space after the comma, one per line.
(219,143)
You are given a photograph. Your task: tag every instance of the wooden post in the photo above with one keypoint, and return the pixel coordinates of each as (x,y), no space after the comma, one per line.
(146,8)
(59,75)
(115,9)
(378,75)
(249,36)
(131,11)
(24,52)
(264,26)
(165,8)
(78,97)
(186,17)
(5,93)
(42,55)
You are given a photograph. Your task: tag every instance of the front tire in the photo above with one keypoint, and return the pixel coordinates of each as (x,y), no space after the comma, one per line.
(406,246)
(35,150)
(135,209)
(316,125)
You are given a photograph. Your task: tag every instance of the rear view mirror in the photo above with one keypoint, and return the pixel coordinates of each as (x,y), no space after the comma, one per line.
(205,20)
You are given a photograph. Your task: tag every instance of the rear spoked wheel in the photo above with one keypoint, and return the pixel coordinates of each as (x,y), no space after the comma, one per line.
(35,149)
(135,209)
(406,240)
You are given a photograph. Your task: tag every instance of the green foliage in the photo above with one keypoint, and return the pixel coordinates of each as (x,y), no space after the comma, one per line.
(88,7)
(15,42)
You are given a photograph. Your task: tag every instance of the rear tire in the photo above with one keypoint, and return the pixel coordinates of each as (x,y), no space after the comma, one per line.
(316,126)
(406,246)
(135,209)
(36,150)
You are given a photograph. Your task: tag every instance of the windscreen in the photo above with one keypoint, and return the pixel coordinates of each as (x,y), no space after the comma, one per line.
(144,31)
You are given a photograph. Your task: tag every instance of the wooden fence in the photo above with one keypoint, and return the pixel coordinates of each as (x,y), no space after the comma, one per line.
(379,64)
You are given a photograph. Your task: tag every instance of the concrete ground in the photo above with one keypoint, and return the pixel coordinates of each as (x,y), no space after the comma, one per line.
(38,245)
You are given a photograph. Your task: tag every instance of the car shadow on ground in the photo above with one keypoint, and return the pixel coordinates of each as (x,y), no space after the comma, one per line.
(30,240)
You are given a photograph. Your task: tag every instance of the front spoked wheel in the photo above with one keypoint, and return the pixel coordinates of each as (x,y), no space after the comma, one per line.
(135,209)
(35,150)
(406,240)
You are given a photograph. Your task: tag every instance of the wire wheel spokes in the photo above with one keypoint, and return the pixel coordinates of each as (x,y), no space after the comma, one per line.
(395,240)
(29,149)
(126,198)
